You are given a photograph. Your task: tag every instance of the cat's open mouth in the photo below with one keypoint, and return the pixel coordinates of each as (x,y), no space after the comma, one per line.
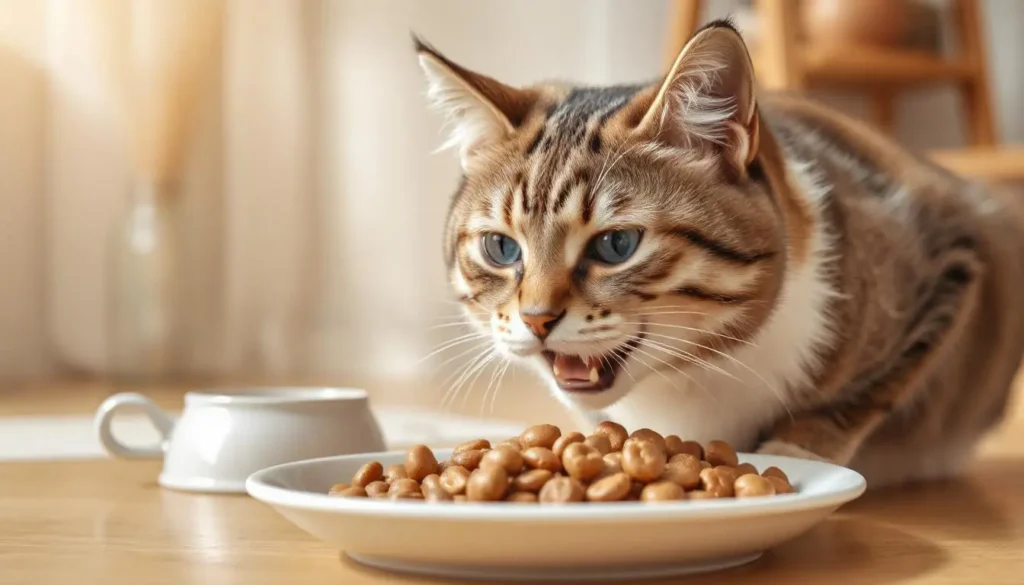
(575,373)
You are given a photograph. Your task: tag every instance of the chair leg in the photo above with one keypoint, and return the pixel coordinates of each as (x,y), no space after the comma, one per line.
(778,45)
(883,105)
(683,18)
(977,99)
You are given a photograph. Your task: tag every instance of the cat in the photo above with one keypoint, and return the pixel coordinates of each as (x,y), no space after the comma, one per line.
(697,258)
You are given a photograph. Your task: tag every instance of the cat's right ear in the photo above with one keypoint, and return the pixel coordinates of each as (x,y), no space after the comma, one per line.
(481,111)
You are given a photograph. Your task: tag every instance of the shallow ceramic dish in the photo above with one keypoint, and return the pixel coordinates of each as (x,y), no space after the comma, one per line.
(502,541)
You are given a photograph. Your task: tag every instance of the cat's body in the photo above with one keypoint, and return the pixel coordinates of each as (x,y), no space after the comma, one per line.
(899,245)
(690,258)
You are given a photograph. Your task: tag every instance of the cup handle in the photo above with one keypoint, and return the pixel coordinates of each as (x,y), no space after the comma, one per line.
(105,415)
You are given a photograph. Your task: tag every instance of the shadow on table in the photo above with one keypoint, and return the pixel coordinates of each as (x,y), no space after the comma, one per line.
(976,506)
(845,550)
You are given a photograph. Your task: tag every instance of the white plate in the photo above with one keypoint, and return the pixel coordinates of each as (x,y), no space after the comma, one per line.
(498,541)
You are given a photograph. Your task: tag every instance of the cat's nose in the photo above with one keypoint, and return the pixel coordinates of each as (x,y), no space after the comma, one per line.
(541,323)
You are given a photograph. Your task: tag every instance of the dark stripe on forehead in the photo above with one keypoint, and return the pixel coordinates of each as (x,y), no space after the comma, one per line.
(583,102)
(510,197)
(580,178)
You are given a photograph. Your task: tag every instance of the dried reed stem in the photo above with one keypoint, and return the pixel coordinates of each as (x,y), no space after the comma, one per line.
(158,57)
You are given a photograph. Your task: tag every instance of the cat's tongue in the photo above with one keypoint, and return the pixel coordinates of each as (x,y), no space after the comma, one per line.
(572,367)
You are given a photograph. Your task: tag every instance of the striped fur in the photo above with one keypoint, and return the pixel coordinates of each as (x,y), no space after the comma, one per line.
(802,285)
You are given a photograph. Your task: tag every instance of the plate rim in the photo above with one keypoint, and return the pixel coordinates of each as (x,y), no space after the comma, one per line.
(257,487)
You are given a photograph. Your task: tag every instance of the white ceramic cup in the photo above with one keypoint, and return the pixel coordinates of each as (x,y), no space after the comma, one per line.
(222,438)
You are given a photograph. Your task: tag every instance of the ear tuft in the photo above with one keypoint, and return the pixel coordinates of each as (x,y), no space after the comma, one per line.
(480,110)
(707,99)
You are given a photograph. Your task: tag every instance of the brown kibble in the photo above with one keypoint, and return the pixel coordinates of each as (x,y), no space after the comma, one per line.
(781,486)
(512,442)
(431,481)
(673,446)
(532,480)
(752,485)
(487,484)
(543,465)
(454,479)
(610,489)
(438,495)
(470,459)
(662,491)
(683,469)
(635,490)
(474,445)
(693,448)
(717,482)
(404,484)
(507,458)
(600,442)
(582,461)
(616,433)
(612,464)
(561,490)
(564,441)
(352,492)
(377,489)
(649,435)
(642,459)
(405,488)
(542,458)
(394,473)
(523,498)
(727,472)
(721,453)
(775,472)
(433,491)
(368,474)
(745,468)
(540,436)
(420,462)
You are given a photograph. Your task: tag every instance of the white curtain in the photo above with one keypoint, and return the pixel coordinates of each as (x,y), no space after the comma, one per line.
(314,205)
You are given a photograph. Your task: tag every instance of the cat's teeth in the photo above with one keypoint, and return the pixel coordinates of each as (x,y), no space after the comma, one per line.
(593,376)
(554,370)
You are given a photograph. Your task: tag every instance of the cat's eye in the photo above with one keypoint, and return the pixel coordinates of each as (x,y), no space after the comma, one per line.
(614,247)
(501,249)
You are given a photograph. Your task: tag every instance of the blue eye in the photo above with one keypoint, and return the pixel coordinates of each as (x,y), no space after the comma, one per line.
(614,247)
(501,249)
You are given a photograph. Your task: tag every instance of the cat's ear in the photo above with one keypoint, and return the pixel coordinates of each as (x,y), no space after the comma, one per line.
(481,110)
(707,99)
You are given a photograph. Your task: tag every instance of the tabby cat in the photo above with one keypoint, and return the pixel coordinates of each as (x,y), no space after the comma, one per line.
(698,258)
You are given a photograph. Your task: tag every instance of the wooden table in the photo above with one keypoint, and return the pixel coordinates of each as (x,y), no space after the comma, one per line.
(107,522)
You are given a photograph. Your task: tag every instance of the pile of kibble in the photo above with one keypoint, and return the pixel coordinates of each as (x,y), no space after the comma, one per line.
(543,465)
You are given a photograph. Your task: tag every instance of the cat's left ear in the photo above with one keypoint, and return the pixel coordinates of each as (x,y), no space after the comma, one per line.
(481,110)
(707,99)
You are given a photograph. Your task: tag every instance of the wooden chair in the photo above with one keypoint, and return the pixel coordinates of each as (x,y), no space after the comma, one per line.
(783,62)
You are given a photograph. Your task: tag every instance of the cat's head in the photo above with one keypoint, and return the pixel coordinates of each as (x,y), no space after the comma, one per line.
(609,234)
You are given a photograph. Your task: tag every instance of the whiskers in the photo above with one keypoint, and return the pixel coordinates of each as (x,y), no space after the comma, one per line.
(473,364)
(689,357)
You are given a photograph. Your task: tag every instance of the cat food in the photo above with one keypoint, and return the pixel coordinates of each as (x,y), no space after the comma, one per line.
(544,466)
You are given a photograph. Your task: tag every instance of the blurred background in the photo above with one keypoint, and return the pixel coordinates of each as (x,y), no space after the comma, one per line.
(230,191)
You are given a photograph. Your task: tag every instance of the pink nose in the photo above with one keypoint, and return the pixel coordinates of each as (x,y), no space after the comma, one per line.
(541,323)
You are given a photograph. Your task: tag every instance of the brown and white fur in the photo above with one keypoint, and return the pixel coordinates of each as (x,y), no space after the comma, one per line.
(802,285)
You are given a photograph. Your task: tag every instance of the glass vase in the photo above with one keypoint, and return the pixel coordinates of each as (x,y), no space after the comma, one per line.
(144,308)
